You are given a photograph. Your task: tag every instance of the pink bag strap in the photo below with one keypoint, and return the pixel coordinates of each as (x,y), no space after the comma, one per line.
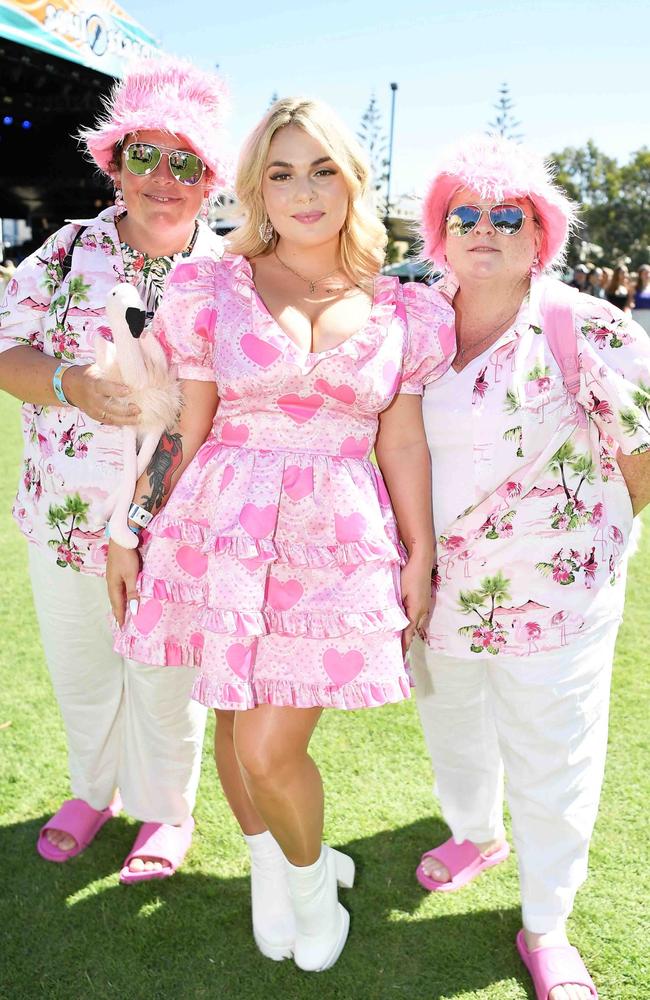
(556,313)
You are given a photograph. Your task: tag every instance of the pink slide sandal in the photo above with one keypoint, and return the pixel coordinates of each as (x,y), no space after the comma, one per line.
(78,820)
(554,966)
(463,862)
(159,840)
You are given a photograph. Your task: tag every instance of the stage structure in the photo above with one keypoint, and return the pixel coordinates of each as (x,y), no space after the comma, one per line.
(57,60)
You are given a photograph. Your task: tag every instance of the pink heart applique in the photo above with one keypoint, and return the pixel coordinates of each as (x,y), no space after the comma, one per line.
(298,483)
(238,658)
(447,338)
(192,561)
(349,528)
(344,393)
(300,408)
(342,667)
(347,569)
(207,452)
(258,521)
(231,694)
(354,447)
(227,478)
(282,596)
(234,434)
(197,640)
(229,394)
(253,564)
(205,322)
(259,351)
(148,616)
(183,273)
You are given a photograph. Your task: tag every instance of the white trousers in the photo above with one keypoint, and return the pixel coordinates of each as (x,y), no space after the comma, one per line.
(129,726)
(543,721)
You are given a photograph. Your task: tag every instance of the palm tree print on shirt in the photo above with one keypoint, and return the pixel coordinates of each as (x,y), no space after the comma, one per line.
(65,518)
(488,635)
(573,513)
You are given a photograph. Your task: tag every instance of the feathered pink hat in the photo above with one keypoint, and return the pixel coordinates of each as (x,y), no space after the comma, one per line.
(497,169)
(169,95)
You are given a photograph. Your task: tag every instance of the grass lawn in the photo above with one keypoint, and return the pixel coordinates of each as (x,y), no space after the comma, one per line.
(71,932)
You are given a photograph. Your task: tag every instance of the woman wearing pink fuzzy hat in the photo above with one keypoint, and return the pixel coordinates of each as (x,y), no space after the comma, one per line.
(129,727)
(539,439)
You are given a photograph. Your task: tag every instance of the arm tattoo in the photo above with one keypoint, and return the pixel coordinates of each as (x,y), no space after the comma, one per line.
(165,461)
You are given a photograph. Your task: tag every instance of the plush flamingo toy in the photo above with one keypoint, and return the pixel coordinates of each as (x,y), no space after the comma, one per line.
(136,358)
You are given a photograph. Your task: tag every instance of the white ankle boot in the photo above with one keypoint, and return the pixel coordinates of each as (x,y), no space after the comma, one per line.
(322,924)
(274,926)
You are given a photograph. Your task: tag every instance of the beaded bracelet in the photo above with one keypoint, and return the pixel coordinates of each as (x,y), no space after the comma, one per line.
(56,382)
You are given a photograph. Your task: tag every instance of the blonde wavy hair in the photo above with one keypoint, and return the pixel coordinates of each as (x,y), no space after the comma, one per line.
(363,238)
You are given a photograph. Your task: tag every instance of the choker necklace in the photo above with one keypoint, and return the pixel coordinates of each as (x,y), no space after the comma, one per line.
(312,282)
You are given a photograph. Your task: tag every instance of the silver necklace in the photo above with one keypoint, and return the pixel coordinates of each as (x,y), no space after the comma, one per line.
(312,282)
(494,332)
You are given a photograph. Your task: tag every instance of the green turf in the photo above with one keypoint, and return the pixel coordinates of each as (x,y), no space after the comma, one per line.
(71,932)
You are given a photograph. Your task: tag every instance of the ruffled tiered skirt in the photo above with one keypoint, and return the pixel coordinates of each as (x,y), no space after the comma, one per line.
(276,575)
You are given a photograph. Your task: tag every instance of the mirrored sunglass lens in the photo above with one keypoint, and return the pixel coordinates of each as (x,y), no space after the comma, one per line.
(462,220)
(507,219)
(186,167)
(141,158)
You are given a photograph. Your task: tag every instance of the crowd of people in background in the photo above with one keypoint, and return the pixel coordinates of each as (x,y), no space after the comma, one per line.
(624,289)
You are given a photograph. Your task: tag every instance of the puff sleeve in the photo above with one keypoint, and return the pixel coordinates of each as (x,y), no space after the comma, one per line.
(186,319)
(614,357)
(427,355)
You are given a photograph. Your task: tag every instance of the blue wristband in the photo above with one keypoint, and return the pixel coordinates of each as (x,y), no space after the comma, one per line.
(56,382)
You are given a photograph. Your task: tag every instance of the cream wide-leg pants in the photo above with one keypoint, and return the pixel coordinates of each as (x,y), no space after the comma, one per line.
(542,721)
(129,726)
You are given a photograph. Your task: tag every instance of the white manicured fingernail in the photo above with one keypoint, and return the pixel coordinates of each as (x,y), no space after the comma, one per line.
(133,606)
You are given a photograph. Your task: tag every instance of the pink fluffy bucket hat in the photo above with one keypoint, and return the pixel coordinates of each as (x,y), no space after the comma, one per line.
(167,95)
(497,169)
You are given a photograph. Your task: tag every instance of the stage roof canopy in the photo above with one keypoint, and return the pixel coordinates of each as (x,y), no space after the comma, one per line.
(97,34)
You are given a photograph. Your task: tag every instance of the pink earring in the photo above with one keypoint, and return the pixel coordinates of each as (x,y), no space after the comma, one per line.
(119,200)
(204,214)
(534,270)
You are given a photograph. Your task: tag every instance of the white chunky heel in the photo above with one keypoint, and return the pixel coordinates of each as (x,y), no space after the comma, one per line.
(322,924)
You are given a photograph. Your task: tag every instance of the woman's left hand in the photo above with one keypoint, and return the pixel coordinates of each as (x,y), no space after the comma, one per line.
(416,597)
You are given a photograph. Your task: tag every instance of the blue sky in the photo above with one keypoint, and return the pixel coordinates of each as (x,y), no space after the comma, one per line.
(576,70)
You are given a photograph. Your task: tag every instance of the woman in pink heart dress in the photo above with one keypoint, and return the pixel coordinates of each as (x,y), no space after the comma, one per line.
(277,568)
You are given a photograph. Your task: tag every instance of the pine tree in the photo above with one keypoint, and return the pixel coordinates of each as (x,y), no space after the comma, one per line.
(505,123)
(373,139)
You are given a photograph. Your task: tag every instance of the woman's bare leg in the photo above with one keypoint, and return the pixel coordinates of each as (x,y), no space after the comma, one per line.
(282,780)
(231,778)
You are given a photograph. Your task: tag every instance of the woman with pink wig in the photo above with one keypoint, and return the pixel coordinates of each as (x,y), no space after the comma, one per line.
(276,566)
(539,434)
(134,735)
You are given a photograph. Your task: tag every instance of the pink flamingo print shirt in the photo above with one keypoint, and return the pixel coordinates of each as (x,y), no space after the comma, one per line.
(531,511)
(71,463)
(274,567)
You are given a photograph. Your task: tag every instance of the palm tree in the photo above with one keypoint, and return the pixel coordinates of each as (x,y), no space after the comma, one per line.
(77,293)
(497,589)
(583,466)
(641,398)
(494,589)
(632,423)
(564,454)
(74,508)
(512,403)
(472,600)
(515,434)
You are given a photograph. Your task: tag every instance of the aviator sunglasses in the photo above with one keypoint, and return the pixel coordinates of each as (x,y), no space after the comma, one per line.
(506,219)
(142,158)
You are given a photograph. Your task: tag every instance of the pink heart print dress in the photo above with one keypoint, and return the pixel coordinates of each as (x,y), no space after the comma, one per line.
(274,568)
